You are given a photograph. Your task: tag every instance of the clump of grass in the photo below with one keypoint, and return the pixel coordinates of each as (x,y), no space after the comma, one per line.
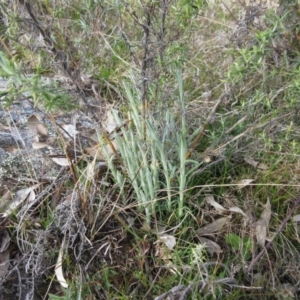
(163,112)
(153,154)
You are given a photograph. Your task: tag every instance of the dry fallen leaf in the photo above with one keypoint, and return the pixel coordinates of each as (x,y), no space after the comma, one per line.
(48,142)
(251,162)
(210,200)
(20,196)
(165,243)
(59,270)
(39,145)
(70,129)
(211,246)
(256,164)
(39,130)
(36,126)
(238,210)
(59,160)
(109,123)
(213,227)
(244,182)
(262,224)
(168,240)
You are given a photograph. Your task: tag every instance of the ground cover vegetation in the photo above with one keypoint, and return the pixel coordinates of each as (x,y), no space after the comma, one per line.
(149,149)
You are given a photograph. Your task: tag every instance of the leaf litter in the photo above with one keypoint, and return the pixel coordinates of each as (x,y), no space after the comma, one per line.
(213,227)
(10,205)
(262,224)
(67,215)
(256,164)
(59,271)
(217,226)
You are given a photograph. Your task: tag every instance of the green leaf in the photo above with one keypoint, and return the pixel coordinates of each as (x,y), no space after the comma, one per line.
(247,246)
(234,240)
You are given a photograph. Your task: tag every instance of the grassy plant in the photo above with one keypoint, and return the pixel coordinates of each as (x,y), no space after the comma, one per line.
(151,164)
(197,112)
(33,87)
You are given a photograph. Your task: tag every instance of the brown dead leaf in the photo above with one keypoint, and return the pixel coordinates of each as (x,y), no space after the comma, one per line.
(238,210)
(256,164)
(211,246)
(251,162)
(210,200)
(262,224)
(168,240)
(49,142)
(109,123)
(244,182)
(26,194)
(36,126)
(38,145)
(165,243)
(213,227)
(60,160)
